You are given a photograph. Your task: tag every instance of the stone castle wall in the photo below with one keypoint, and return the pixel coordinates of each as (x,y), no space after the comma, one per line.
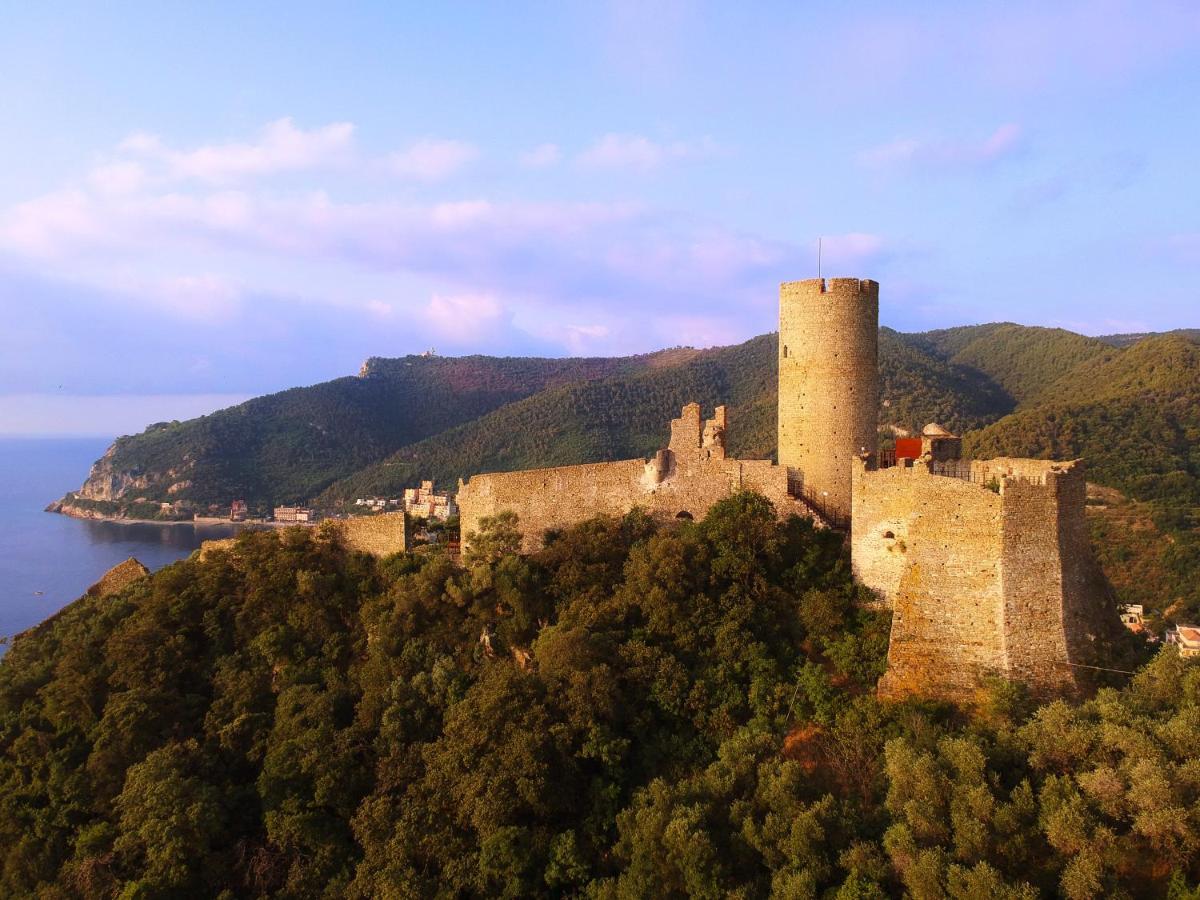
(980,581)
(931,547)
(380,535)
(118,578)
(683,480)
(828,383)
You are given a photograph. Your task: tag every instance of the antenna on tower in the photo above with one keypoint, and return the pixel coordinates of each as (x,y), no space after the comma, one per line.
(818,257)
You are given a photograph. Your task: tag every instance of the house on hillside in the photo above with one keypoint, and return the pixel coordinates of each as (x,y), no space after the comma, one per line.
(1186,638)
(296,515)
(427,503)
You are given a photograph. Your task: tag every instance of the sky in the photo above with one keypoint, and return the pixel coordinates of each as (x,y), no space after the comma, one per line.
(205,202)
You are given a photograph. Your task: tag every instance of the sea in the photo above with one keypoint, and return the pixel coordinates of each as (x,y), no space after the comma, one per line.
(47,560)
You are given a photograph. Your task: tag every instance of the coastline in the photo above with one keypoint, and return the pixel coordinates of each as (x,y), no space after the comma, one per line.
(91,516)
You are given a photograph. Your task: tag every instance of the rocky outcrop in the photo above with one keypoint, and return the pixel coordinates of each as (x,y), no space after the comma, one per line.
(118,578)
(106,482)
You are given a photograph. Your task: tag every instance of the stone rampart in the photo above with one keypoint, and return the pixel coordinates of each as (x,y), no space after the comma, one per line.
(988,571)
(380,535)
(118,578)
(681,481)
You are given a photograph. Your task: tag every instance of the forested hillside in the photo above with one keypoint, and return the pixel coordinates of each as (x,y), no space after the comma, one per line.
(1012,389)
(293,445)
(626,417)
(655,712)
(288,446)
(1020,359)
(1133,414)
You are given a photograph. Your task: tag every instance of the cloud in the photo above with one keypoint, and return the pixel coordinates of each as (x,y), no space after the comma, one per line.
(118,177)
(432,159)
(280,147)
(541,156)
(210,259)
(632,151)
(579,338)
(463,318)
(1006,141)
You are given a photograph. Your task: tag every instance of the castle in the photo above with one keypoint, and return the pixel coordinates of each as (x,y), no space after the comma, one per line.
(985,564)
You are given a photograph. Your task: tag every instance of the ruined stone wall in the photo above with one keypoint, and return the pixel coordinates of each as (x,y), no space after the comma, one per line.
(828,382)
(981,580)
(683,480)
(550,498)
(118,578)
(380,535)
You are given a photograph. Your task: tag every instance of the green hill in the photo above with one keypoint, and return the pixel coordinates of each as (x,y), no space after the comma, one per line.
(1011,389)
(672,711)
(404,419)
(1022,360)
(291,445)
(1133,414)
(625,417)
(1125,340)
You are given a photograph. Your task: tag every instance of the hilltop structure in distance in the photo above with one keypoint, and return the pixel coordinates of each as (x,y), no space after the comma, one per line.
(986,564)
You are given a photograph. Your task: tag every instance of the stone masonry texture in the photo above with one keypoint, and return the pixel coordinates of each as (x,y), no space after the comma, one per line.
(380,535)
(682,481)
(986,565)
(118,578)
(987,570)
(828,383)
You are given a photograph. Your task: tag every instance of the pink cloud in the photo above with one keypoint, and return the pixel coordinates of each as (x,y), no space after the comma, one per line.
(632,151)
(463,318)
(941,153)
(280,147)
(432,159)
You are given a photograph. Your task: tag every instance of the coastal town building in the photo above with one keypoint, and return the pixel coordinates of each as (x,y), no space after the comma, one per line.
(295,515)
(1185,639)
(237,511)
(378,504)
(427,503)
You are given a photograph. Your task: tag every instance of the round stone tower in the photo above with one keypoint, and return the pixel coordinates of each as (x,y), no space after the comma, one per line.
(828,385)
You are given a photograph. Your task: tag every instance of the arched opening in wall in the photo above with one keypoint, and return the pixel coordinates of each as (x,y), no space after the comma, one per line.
(684,516)
(889,536)
(785,351)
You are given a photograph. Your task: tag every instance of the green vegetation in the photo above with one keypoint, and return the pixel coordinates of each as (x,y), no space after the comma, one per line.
(1129,405)
(1043,392)
(289,446)
(634,711)
(1020,359)
(626,417)
(410,418)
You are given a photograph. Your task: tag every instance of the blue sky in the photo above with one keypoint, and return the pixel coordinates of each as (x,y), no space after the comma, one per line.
(203,202)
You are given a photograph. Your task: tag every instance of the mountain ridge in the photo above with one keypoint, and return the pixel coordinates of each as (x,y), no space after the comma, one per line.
(404,419)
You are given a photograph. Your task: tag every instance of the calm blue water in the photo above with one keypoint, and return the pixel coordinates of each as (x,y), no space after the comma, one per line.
(58,556)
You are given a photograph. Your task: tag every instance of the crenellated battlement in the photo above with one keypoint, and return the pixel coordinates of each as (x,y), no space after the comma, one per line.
(864,288)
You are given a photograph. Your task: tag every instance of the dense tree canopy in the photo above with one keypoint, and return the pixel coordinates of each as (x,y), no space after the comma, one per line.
(636,710)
